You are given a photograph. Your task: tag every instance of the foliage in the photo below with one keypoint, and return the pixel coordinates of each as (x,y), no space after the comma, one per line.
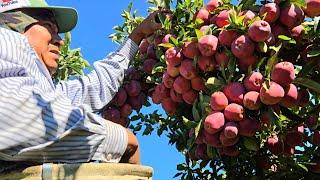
(71,62)
(131,20)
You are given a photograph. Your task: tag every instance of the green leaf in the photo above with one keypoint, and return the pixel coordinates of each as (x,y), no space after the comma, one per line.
(272,116)
(160,3)
(158,69)
(204,163)
(261,61)
(147,130)
(125,15)
(299,3)
(214,84)
(178,174)
(285,38)
(276,48)
(187,2)
(201,98)
(190,142)
(292,41)
(188,123)
(226,1)
(247,4)
(71,62)
(195,112)
(67,39)
(233,18)
(129,8)
(240,20)
(174,41)
(195,61)
(181,167)
(251,143)
(118,28)
(263,47)
(198,128)
(204,104)
(213,81)
(314,53)
(313,85)
(231,68)
(211,152)
(303,167)
(161,18)
(137,128)
(199,34)
(199,22)
(166,45)
(306,69)
(160,130)
(272,60)
(316,23)
(257,18)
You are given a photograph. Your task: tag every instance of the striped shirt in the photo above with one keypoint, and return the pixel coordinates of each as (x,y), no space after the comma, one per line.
(46,122)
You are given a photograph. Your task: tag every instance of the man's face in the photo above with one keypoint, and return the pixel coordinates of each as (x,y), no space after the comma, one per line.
(43,37)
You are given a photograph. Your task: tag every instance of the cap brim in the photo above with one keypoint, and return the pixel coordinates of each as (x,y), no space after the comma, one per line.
(65,17)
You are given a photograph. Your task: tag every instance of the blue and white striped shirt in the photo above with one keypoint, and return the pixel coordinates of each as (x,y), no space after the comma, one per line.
(43,122)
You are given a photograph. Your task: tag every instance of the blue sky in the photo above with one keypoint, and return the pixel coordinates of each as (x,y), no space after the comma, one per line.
(96,19)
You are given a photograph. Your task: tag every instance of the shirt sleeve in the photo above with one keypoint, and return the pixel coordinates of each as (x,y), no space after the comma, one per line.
(38,123)
(98,88)
(41,127)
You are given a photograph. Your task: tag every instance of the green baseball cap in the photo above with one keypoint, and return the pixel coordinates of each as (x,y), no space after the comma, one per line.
(65,17)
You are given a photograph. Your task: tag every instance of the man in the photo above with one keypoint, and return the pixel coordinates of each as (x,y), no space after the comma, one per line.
(45,122)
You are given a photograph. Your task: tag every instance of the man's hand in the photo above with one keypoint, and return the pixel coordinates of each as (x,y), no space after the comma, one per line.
(147,27)
(132,153)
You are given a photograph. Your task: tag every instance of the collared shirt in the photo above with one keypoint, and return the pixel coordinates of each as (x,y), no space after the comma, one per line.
(46,122)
